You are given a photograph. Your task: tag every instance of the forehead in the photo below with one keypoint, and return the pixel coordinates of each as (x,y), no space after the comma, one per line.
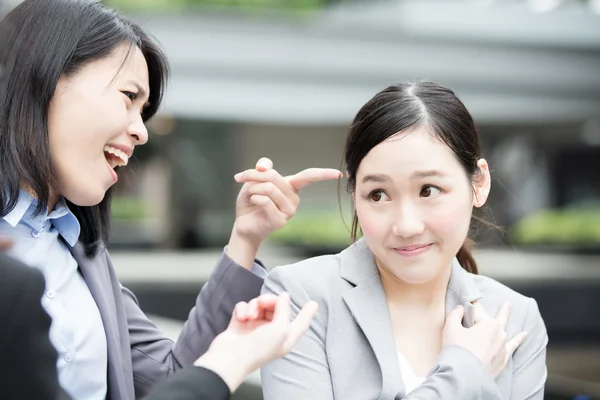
(406,152)
(123,64)
(130,63)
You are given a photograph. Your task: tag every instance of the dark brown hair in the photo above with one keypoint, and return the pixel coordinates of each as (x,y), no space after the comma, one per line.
(406,106)
(41,41)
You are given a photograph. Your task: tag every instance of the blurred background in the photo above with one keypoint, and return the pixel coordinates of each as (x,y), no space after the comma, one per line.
(284,78)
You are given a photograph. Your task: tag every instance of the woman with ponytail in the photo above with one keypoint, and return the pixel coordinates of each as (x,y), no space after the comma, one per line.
(393,303)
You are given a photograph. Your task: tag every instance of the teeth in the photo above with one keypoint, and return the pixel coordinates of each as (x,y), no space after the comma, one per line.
(119,153)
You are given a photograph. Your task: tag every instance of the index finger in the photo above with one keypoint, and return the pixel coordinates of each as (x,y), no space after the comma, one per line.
(480,313)
(502,316)
(312,175)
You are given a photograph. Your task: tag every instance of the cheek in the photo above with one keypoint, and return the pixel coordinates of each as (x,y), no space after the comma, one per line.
(373,223)
(451,219)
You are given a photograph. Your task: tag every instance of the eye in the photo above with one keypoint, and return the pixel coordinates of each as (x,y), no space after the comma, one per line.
(130,95)
(378,196)
(430,191)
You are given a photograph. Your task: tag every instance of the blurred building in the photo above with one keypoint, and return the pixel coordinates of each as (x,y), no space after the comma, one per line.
(287,85)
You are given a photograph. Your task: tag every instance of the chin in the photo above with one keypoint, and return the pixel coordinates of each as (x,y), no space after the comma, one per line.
(416,279)
(88,199)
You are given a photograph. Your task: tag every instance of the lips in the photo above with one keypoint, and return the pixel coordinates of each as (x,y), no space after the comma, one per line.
(412,247)
(412,250)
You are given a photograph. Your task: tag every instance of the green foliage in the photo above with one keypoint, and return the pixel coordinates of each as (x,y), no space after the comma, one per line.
(129,208)
(570,227)
(315,229)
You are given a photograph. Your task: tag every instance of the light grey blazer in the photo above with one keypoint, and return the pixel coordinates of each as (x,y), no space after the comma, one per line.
(349,351)
(139,355)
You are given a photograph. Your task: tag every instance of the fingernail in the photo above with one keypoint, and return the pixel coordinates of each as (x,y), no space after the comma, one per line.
(237,176)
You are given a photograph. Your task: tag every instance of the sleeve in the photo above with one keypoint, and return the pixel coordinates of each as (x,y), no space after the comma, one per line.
(191,383)
(154,356)
(31,356)
(529,360)
(458,374)
(304,372)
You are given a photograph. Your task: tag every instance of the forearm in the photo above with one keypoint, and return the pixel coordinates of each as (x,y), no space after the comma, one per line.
(241,251)
(458,374)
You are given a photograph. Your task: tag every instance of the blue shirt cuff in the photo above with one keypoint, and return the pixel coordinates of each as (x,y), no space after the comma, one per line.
(258,268)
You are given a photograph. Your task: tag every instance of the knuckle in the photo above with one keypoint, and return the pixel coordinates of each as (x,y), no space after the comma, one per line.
(272,174)
(270,188)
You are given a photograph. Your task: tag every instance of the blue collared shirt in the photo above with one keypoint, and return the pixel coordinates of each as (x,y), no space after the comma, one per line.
(77,331)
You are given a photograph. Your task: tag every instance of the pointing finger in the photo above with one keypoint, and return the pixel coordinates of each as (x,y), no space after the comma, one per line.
(312,175)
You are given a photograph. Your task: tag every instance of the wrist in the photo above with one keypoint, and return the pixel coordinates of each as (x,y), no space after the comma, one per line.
(242,251)
(232,370)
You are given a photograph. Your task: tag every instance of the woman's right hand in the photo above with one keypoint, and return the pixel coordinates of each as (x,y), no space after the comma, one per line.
(486,339)
(259,332)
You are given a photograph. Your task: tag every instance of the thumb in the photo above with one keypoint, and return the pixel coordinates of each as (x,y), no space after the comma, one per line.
(454,319)
(264,164)
(514,343)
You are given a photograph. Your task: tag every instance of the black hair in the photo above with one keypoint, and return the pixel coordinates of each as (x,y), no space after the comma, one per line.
(404,107)
(42,41)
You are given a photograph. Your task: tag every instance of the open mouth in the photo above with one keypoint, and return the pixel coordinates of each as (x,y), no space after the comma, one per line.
(115,157)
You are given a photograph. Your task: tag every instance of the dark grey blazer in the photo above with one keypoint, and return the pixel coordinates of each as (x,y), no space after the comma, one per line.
(139,355)
(28,360)
(349,352)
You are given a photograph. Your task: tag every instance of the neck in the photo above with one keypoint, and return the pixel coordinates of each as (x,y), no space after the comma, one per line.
(426,296)
(52,199)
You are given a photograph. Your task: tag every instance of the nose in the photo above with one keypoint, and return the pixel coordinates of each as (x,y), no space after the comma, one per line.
(137,130)
(408,221)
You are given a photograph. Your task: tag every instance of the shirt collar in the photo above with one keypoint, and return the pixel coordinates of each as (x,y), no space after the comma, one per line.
(65,222)
(61,217)
(17,213)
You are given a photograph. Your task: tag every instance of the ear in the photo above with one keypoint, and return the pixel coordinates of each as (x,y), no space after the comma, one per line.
(350,192)
(482,182)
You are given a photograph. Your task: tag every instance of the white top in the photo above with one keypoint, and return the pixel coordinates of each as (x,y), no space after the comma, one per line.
(409,378)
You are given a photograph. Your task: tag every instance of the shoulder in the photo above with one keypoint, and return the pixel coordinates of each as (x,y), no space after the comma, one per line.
(14,275)
(315,276)
(524,311)
(21,290)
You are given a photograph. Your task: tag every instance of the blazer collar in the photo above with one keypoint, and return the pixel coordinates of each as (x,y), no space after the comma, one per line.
(367,303)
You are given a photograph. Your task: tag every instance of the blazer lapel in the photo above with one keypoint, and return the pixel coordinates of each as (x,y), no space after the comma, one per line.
(462,291)
(93,271)
(368,306)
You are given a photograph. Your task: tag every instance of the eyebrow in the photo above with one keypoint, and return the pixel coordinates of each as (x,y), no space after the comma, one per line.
(428,174)
(375,178)
(141,91)
(380,178)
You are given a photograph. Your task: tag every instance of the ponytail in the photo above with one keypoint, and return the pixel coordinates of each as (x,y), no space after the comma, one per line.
(465,258)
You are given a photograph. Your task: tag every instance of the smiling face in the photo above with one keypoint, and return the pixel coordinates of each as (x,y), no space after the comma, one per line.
(95,122)
(414,202)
